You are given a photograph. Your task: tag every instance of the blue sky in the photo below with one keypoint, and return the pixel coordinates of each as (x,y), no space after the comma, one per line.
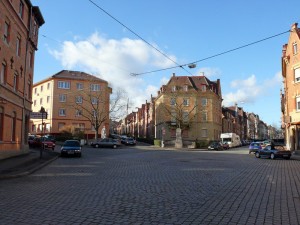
(79,36)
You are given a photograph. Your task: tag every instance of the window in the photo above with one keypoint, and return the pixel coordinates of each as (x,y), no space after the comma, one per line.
(35,90)
(185,88)
(48,99)
(41,101)
(173,88)
(34,102)
(204,101)
(21,9)
(204,116)
(185,116)
(62,98)
(186,101)
(94,101)
(203,88)
(1,123)
(173,118)
(29,89)
(48,86)
(78,112)
(64,84)
(204,132)
(62,112)
(18,46)
(41,88)
(78,99)
(95,87)
(297,74)
(79,86)
(16,82)
(298,103)
(3,73)
(6,35)
(295,48)
(30,59)
(13,126)
(173,101)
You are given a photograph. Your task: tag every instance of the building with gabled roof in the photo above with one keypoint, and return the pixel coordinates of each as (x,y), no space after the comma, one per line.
(192,103)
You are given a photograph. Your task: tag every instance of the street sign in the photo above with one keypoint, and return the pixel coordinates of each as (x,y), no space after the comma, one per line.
(38,115)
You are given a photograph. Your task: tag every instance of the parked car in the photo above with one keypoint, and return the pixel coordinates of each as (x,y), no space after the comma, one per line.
(215,146)
(71,148)
(129,141)
(38,142)
(106,143)
(225,145)
(254,146)
(273,152)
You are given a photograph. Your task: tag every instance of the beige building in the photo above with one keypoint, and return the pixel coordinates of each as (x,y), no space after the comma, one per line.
(192,103)
(19,25)
(72,99)
(290,98)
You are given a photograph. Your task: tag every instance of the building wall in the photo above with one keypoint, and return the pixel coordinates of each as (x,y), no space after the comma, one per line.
(18,44)
(56,121)
(290,62)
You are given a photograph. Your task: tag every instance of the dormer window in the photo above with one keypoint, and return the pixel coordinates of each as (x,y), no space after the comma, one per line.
(203,88)
(173,88)
(185,88)
(295,48)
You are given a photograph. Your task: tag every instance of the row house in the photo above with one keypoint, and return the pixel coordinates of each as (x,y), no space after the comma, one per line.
(19,25)
(72,99)
(234,120)
(290,96)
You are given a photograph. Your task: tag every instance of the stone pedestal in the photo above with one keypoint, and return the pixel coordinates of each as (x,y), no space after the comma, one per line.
(178,141)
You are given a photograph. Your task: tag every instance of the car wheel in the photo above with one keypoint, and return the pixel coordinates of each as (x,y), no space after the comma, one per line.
(287,157)
(257,155)
(79,154)
(272,156)
(96,146)
(114,146)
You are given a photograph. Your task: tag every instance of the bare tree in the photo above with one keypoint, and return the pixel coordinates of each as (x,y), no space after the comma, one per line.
(99,104)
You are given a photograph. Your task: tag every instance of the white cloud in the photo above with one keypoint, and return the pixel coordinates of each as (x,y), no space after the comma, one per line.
(209,72)
(249,90)
(114,60)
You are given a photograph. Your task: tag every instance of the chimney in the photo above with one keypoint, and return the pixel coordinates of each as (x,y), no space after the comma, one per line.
(173,74)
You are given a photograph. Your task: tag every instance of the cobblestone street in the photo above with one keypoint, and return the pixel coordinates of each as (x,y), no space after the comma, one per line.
(141,185)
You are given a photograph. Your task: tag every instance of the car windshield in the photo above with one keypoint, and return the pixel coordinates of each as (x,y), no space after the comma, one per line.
(72,143)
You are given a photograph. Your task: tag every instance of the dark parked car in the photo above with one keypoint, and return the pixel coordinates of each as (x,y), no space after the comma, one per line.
(71,148)
(128,141)
(106,143)
(273,152)
(216,146)
(225,145)
(38,142)
(254,146)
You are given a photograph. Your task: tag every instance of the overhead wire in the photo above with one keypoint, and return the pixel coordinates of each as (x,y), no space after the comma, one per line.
(213,56)
(133,32)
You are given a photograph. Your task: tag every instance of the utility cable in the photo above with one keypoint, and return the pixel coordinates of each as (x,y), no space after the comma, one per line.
(213,56)
(152,46)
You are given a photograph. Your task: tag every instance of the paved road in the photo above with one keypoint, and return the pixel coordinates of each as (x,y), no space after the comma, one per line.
(141,185)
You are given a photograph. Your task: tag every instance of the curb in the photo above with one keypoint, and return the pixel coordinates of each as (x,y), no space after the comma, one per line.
(28,172)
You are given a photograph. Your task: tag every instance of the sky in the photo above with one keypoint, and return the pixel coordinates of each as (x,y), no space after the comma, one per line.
(113,39)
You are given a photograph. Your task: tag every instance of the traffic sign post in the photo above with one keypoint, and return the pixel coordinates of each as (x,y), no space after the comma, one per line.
(38,115)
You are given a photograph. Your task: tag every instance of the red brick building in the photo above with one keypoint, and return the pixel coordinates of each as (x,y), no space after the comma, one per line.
(19,25)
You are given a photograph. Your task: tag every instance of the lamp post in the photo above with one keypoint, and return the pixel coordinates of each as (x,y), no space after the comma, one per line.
(42,111)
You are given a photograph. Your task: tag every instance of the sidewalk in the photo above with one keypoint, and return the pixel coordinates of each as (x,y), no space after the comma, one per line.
(25,164)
